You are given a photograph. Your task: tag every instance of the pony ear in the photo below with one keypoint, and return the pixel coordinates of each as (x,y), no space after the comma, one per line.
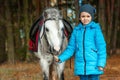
(45,15)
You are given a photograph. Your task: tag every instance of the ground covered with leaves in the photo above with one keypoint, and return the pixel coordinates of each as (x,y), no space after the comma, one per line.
(32,71)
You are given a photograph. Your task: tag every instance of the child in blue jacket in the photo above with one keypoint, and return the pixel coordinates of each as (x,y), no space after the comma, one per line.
(88,46)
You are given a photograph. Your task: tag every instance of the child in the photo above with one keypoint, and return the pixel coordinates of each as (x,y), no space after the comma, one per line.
(88,46)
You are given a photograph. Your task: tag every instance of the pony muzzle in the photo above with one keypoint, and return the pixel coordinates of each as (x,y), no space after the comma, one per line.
(56,48)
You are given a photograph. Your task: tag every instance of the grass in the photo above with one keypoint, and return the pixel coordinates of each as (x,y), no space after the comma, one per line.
(32,71)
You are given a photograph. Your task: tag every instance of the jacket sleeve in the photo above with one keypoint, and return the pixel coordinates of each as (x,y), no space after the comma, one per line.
(69,51)
(101,47)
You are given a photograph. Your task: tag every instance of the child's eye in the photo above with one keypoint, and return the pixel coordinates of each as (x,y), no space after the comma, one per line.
(88,16)
(82,16)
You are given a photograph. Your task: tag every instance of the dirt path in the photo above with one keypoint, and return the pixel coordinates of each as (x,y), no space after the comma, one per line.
(32,71)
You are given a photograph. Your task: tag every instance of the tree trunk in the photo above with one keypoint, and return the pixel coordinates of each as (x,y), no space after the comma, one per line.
(38,8)
(9,28)
(3,56)
(115,28)
(118,26)
(101,14)
(77,8)
(26,27)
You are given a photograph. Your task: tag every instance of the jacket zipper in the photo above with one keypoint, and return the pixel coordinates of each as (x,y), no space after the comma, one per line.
(84,51)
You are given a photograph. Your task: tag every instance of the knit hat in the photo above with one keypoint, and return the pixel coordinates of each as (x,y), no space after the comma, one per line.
(89,9)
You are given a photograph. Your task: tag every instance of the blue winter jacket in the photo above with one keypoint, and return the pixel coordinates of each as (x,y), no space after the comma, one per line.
(88,46)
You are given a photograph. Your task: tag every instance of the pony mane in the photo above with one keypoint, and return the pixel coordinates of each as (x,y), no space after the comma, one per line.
(52,13)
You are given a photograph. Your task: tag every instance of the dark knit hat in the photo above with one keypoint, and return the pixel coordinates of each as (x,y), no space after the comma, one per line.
(89,9)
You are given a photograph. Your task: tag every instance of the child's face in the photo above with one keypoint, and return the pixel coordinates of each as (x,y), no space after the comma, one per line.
(85,18)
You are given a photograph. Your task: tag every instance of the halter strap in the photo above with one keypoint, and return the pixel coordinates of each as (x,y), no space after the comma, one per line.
(52,19)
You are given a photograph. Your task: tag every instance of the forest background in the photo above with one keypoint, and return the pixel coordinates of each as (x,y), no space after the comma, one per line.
(17,16)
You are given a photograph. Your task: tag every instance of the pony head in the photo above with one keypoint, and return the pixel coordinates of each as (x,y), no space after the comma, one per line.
(53,28)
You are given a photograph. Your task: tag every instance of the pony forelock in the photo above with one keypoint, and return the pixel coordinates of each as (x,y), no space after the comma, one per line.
(52,13)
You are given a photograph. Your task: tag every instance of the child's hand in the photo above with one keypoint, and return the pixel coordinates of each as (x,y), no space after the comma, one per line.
(56,59)
(101,68)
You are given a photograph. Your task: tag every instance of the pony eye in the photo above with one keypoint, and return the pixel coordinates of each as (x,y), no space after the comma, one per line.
(46,29)
(62,29)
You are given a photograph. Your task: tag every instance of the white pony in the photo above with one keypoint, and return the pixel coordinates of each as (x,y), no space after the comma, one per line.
(52,41)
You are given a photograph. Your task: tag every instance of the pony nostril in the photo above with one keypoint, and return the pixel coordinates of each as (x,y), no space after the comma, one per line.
(56,48)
